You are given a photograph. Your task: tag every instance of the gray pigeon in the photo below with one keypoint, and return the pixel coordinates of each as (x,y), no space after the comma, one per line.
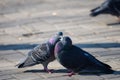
(76,59)
(108,7)
(41,54)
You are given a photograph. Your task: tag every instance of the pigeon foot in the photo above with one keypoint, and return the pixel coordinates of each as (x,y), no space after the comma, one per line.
(50,71)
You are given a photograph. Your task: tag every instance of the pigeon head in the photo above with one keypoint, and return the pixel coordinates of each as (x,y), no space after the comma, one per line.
(59,33)
(66,41)
(55,38)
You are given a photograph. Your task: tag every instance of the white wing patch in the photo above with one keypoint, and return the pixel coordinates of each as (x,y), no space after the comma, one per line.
(86,54)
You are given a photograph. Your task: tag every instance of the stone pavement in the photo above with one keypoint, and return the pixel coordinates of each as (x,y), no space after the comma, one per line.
(26,23)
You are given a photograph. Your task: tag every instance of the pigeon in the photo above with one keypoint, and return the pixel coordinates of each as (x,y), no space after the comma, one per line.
(75,59)
(108,7)
(41,54)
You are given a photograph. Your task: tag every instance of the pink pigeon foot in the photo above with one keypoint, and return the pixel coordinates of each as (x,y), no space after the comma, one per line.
(70,74)
(50,71)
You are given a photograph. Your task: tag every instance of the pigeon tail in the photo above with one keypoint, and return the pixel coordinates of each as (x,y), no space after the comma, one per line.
(107,70)
(95,13)
(98,11)
(94,9)
(20,65)
(26,63)
(103,67)
(106,65)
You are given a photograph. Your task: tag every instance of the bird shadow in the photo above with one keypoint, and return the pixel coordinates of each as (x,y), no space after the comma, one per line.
(84,72)
(112,24)
(43,71)
(98,45)
(17,46)
(82,45)
(117,72)
(98,73)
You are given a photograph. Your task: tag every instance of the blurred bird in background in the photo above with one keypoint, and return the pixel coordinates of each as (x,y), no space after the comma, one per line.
(111,7)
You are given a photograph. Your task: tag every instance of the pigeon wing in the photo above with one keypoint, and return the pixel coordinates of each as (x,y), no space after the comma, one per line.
(40,53)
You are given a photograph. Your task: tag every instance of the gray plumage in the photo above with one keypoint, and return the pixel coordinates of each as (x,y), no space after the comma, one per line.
(108,7)
(41,54)
(76,59)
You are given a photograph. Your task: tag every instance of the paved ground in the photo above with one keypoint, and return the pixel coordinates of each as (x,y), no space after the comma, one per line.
(26,23)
